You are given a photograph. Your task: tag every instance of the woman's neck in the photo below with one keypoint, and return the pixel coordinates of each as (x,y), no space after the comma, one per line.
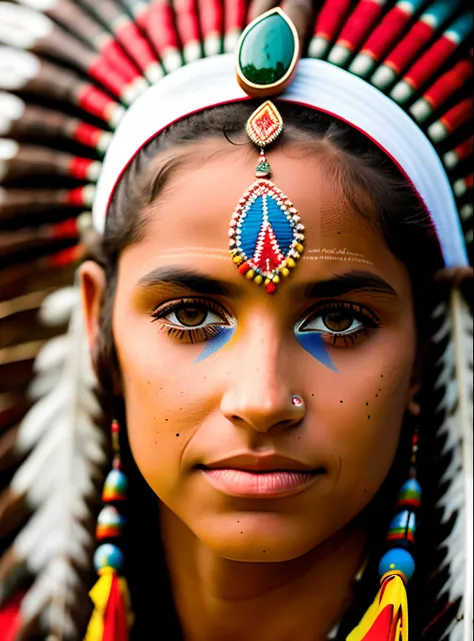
(221,600)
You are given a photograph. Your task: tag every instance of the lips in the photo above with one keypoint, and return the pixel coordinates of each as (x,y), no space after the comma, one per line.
(268,476)
(265,463)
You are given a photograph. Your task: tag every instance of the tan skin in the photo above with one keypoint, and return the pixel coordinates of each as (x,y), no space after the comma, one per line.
(268,569)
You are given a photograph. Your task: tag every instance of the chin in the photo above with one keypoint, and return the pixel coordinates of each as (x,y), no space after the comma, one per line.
(263,537)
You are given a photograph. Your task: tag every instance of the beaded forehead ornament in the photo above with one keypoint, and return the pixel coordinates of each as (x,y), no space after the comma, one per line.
(266,232)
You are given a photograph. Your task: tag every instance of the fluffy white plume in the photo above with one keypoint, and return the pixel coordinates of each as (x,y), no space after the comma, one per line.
(58,479)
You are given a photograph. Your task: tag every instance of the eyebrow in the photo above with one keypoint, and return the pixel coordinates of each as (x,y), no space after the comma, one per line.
(201,283)
(192,280)
(348,282)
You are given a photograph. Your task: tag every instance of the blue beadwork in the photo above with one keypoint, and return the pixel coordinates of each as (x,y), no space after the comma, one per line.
(403,520)
(399,560)
(280,224)
(249,228)
(108,556)
(116,484)
(411,485)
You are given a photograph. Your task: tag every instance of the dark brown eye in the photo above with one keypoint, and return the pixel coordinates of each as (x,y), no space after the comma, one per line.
(337,321)
(191,316)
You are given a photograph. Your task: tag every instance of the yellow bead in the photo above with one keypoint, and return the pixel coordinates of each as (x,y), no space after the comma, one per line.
(299,248)
(250,274)
(285,272)
(258,279)
(267,280)
(237,260)
(276,279)
(290,262)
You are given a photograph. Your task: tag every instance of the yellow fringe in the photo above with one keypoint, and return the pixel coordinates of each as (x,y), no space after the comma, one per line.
(392,592)
(99,595)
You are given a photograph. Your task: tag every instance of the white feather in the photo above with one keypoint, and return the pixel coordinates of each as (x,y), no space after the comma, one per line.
(42,385)
(458,428)
(57,308)
(58,479)
(53,355)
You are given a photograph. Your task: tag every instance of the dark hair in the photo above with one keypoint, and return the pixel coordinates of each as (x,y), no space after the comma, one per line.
(370,183)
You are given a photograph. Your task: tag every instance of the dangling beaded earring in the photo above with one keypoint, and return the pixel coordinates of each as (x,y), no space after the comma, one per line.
(402,528)
(111,618)
(387,617)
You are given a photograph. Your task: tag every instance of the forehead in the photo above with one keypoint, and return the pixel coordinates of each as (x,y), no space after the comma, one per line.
(194,210)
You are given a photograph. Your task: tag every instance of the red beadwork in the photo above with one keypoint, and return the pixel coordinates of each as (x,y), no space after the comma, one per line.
(387,33)
(330,18)
(430,62)
(270,288)
(76,196)
(95,101)
(136,44)
(234,15)
(210,13)
(186,21)
(65,229)
(449,83)
(264,125)
(359,23)
(87,134)
(463,150)
(408,536)
(65,257)
(103,72)
(244,268)
(157,21)
(409,47)
(79,167)
(458,115)
(267,257)
(112,53)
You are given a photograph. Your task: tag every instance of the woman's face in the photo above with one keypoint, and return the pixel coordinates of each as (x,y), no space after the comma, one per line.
(210,362)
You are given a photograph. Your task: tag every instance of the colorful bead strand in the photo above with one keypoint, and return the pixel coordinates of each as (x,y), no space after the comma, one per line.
(109,522)
(402,527)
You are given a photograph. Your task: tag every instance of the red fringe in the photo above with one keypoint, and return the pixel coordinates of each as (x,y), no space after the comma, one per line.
(115,619)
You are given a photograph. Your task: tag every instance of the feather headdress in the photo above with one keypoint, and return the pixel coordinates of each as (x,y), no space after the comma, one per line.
(69,70)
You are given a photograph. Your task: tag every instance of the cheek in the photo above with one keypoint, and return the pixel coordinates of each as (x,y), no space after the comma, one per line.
(165,399)
(363,406)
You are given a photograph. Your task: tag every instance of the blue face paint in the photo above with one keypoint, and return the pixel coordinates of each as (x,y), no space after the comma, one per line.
(314,344)
(215,343)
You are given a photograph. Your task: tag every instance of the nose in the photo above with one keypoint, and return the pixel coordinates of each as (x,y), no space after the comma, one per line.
(261,392)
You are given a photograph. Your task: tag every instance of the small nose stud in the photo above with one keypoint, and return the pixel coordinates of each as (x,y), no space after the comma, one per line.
(297,401)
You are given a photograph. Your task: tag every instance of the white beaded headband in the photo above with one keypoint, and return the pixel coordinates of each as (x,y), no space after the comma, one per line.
(317,84)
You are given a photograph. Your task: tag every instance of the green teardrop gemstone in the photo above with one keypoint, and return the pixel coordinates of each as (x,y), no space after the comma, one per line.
(267,50)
